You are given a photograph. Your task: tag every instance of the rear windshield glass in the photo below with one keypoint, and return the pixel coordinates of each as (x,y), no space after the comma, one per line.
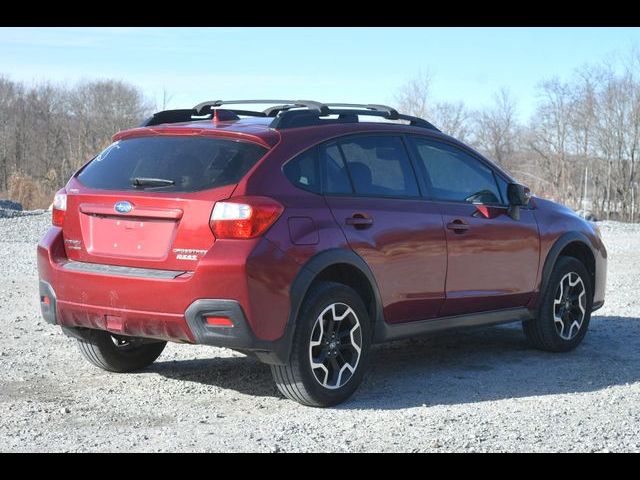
(170,164)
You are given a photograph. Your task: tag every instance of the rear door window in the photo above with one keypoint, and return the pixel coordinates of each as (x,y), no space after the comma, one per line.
(379,166)
(171,164)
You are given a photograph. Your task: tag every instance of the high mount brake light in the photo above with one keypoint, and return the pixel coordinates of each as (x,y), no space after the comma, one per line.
(244,217)
(59,208)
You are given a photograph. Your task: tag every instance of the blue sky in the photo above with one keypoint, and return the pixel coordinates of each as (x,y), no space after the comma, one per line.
(360,65)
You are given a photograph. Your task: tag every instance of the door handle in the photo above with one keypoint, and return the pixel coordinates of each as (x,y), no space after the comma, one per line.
(458,226)
(359,221)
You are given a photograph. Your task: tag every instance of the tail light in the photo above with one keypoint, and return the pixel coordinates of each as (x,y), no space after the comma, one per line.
(59,208)
(244,217)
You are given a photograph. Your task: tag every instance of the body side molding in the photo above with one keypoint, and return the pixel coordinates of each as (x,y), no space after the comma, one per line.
(422,327)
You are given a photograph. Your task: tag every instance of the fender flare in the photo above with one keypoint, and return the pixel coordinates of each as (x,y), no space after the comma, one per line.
(305,278)
(554,253)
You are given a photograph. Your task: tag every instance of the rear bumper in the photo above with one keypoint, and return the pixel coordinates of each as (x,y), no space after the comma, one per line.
(171,308)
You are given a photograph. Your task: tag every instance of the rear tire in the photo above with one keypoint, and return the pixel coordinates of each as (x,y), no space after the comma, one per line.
(330,350)
(116,353)
(565,309)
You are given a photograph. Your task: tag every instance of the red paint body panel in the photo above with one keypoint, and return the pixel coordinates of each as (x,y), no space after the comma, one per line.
(157,224)
(405,248)
(485,262)
(555,220)
(254,272)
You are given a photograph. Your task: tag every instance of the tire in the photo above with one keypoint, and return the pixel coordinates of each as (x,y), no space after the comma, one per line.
(556,327)
(332,383)
(131,353)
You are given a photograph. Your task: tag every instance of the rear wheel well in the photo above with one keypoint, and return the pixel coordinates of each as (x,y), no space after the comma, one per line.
(583,253)
(353,277)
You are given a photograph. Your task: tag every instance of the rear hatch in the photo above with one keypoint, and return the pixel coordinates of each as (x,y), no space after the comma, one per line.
(146,201)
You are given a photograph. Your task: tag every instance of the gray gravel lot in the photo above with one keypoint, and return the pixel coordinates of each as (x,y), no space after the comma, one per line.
(474,390)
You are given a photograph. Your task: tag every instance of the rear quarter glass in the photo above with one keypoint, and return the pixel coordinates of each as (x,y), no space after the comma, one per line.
(190,163)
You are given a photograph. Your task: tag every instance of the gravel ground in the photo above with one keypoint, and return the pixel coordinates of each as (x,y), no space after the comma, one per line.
(474,390)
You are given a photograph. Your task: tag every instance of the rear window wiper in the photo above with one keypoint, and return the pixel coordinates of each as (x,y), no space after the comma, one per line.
(151,182)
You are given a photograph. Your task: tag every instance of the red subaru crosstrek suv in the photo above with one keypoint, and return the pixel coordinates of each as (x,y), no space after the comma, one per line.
(303,234)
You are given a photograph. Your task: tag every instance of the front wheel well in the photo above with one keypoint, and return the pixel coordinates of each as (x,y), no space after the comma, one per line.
(353,277)
(583,253)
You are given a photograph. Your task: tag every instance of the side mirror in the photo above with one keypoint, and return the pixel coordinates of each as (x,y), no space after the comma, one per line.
(518,196)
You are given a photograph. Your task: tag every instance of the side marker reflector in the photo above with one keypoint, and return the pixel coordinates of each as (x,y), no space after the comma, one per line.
(218,321)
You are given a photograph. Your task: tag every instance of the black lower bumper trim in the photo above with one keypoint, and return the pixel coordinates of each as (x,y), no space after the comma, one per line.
(239,337)
(48,309)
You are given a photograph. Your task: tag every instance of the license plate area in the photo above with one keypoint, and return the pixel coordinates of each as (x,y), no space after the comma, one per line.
(141,238)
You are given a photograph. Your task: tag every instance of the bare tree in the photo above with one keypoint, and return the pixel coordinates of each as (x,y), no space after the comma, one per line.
(47,131)
(414,98)
(453,119)
(549,130)
(8,96)
(496,131)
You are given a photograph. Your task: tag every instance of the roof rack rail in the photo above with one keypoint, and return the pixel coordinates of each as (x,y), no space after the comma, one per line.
(369,106)
(310,104)
(306,118)
(289,113)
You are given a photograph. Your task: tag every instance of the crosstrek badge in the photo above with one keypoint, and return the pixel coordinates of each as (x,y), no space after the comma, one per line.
(188,253)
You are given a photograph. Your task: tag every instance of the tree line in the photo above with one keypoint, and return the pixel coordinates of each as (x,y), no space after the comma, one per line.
(47,131)
(580,147)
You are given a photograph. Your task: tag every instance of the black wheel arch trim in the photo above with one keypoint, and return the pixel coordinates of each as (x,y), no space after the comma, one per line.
(554,254)
(308,274)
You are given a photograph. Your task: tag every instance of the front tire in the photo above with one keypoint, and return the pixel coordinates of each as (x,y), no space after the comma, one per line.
(565,308)
(118,353)
(330,350)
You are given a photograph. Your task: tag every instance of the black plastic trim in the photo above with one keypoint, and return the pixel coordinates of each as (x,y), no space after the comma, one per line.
(48,311)
(384,331)
(291,113)
(239,337)
(278,351)
(553,255)
(310,271)
(169,116)
(388,332)
(307,118)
